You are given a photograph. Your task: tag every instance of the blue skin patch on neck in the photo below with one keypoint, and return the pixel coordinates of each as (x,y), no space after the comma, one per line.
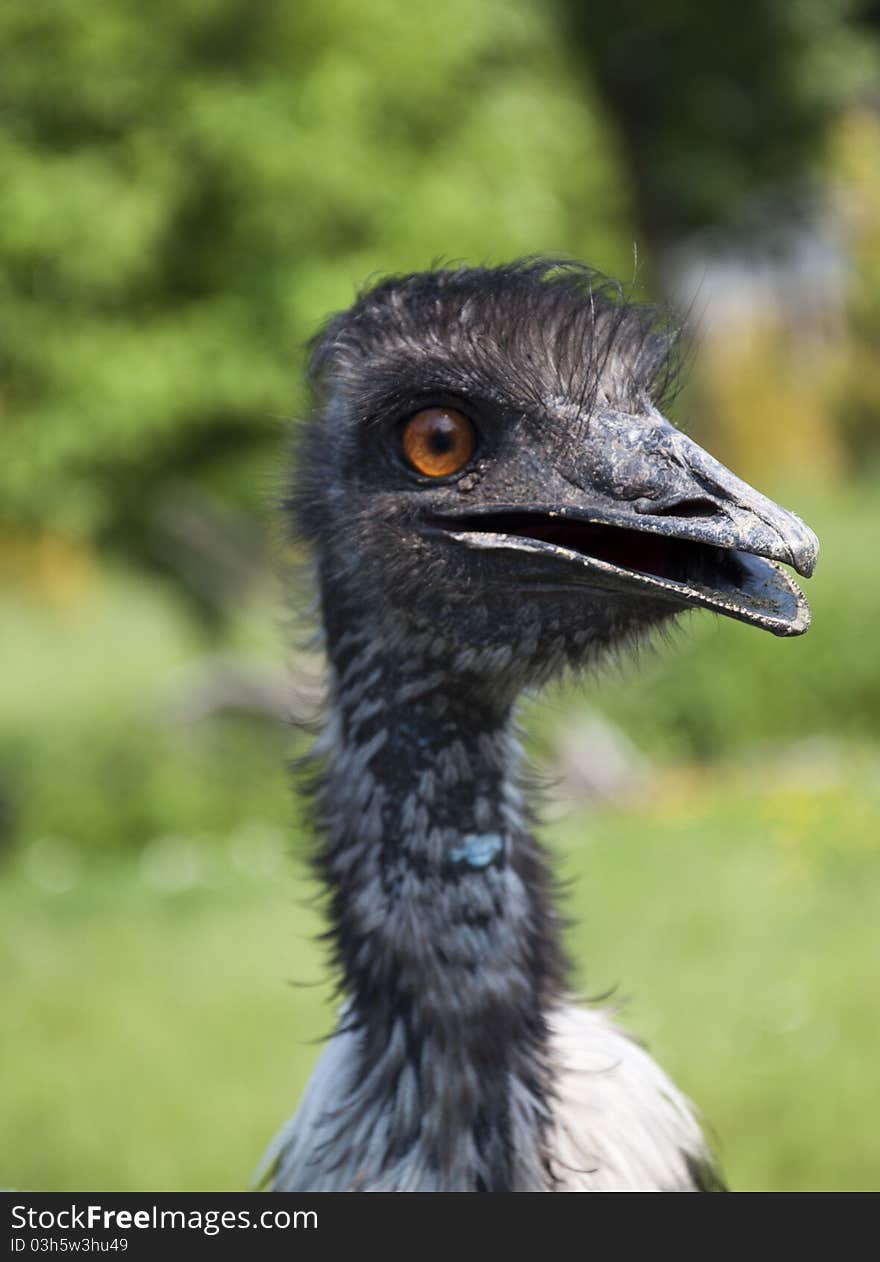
(478,850)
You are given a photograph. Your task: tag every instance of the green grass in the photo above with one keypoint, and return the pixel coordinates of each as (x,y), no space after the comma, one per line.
(152,1041)
(151,1038)
(738,920)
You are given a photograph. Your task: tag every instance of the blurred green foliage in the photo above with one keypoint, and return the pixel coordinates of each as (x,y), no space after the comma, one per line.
(185,196)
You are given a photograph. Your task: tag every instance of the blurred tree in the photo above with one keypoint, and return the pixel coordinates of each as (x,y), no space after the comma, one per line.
(714,102)
(186,192)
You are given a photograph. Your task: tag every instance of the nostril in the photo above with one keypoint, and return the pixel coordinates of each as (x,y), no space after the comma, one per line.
(689,508)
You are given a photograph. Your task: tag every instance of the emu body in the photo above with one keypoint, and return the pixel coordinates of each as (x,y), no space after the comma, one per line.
(577,520)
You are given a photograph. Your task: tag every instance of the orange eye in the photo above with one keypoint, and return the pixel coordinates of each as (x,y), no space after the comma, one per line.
(438,441)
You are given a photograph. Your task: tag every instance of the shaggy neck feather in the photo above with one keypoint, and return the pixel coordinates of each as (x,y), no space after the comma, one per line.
(442,927)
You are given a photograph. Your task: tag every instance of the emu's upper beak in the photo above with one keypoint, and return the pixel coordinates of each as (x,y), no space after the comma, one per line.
(642,507)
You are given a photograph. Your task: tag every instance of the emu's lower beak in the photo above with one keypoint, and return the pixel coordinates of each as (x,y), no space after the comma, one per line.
(653,512)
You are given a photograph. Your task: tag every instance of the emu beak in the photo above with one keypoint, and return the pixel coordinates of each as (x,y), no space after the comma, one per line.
(648,510)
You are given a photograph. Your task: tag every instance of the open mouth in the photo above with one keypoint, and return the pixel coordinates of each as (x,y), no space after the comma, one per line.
(657,556)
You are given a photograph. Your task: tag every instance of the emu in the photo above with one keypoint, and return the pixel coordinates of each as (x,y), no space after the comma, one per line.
(493,497)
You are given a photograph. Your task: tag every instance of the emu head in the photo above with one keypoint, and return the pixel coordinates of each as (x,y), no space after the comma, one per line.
(488,472)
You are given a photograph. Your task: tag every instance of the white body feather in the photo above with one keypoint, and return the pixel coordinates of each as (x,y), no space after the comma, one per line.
(618,1122)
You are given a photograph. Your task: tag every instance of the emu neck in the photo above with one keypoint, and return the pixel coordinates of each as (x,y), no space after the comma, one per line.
(442,926)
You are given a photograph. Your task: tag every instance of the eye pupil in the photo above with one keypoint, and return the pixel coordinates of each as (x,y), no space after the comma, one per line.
(438,442)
